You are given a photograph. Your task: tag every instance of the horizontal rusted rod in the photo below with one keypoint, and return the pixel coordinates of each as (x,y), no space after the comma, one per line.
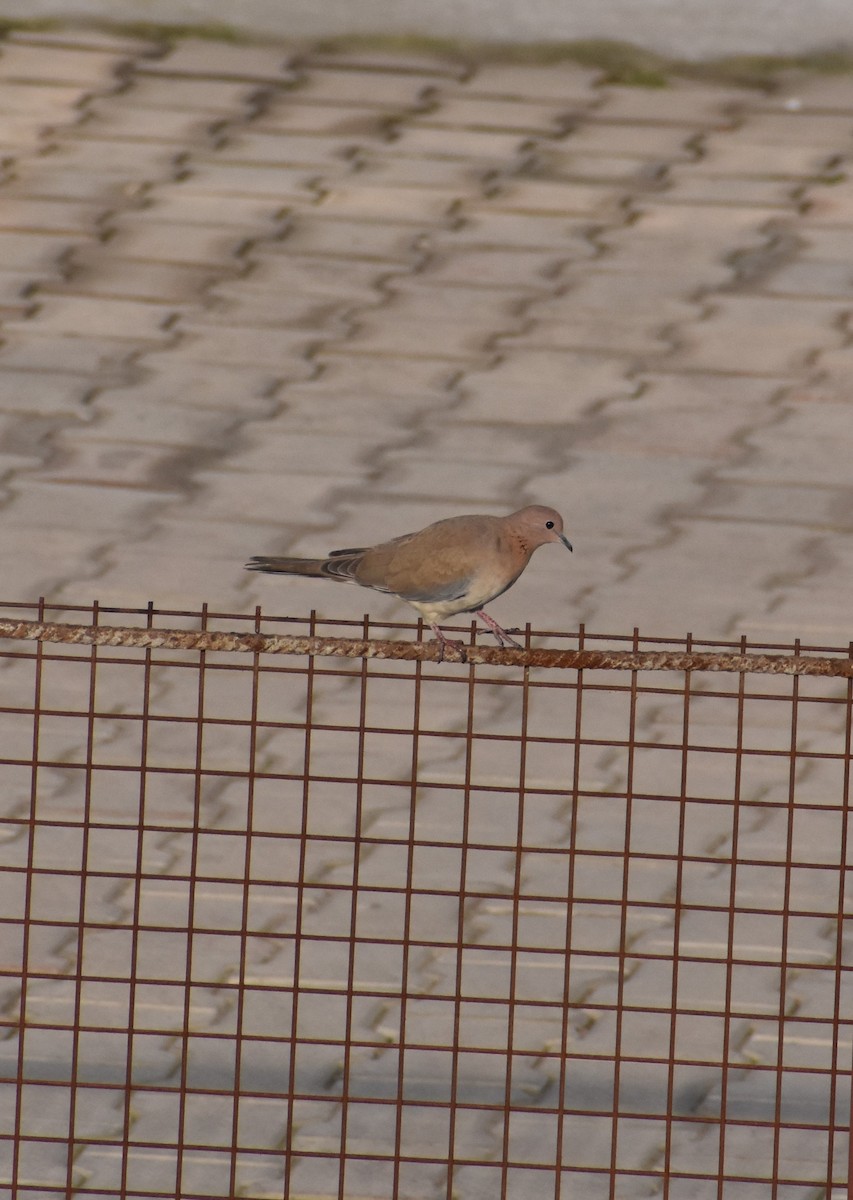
(260,643)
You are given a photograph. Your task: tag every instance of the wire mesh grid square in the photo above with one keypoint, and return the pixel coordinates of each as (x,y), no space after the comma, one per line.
(304,927)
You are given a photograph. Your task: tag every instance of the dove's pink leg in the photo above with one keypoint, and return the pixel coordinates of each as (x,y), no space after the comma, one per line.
(445,641)
(501,634)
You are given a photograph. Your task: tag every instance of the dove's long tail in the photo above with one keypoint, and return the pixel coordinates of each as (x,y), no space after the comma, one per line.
(341,566)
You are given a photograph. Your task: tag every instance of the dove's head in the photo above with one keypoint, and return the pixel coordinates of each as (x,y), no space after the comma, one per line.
(536,525)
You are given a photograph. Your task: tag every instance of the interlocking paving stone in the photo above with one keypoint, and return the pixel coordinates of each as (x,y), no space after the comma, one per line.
(72,315)
(24,250)
(218,60)
(368,89)
(115,157)
(189,94)
(469,112)
(681,103)
(638,247)
(344,121)
(101,358)
(693,416)
(281,185)
(48,216)
(830,208)
(760,159)
(795,128)
(624,140)
(425,171)
(591,313)
(145,125)
(765,335)
(97,272)
(683,186)
(561,82)
(481,226)
(260,146)
(48,64)
(552,196)
(483,146)
(356,197)
(41,103)
(578,380)
(162,241)
(812,277)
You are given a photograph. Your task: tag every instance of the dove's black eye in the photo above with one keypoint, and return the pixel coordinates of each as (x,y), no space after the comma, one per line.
(549,524)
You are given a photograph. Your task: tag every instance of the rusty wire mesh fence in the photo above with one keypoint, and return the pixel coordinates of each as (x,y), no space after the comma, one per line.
(302,925)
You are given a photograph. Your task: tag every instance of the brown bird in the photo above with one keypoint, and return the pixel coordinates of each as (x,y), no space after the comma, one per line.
(454,566)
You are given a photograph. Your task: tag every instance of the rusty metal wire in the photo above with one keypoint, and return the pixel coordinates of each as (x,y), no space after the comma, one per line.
(328,917)
(258,643)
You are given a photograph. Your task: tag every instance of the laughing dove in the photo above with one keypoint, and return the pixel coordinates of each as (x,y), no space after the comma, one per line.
(453,566)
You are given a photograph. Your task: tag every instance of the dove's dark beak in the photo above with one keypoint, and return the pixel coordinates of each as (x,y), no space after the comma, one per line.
(565,541)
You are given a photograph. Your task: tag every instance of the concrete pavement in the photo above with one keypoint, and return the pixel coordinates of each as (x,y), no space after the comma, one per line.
(257,301)
(255,304)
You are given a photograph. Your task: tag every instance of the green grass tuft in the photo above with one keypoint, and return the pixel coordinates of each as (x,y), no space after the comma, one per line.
(618,62)
(35,25)
(622,63)
(212,31)
(765,71)
(145,30)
